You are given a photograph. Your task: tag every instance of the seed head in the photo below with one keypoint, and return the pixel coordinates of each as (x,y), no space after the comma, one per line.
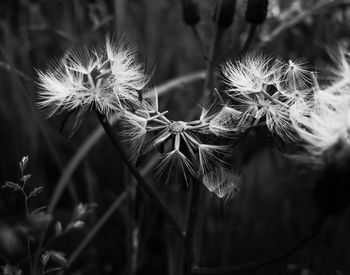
(326,121)
(107,79)
(250,74)
(260,90)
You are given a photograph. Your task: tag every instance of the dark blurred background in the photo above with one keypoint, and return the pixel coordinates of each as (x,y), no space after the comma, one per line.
(274,208)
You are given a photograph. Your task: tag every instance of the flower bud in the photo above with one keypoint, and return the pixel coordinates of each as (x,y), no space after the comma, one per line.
(256,11)
(224,13)
(190,12)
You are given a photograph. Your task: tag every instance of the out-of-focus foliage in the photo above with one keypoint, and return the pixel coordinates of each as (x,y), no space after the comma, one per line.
(274,207)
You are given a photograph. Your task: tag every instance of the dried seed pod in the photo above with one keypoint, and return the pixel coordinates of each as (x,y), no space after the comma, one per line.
(225,12)
(256,11)
(190,12)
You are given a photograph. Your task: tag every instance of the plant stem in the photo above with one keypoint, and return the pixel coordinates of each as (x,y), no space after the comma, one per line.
(200,42)
(208,83)
(249,39)
(142,182)
(191,225)
(135,214)
(132,225)
(128,218)
(176,82)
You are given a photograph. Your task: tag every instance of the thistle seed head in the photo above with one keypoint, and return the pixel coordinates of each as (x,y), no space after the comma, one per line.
(107,79)
(177,127)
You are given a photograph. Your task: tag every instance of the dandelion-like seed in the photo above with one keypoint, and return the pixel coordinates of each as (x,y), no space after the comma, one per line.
(258,88)
(324,127)
(134,132)
(297,75)
(210,156)
(223,183)
(222,122)
(127,74)
(187,152)
(107,79)
(250,75)
(326,121)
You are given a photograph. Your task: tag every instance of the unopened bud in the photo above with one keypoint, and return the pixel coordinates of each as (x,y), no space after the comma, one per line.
(190,12)
(225,13)
(256,11)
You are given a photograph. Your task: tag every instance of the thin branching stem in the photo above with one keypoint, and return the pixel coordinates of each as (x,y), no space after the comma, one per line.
(27,215)
(143,184)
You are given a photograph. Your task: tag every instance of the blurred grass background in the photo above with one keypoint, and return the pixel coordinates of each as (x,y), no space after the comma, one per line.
(274,208)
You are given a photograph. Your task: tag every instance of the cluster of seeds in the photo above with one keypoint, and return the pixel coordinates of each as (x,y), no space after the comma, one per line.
(286,97)
(189,147)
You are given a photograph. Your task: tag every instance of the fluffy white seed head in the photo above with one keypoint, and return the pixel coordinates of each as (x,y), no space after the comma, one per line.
(128,76)
(327,121)
(296,75)
(325,127)
(250,74)
(107,79)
